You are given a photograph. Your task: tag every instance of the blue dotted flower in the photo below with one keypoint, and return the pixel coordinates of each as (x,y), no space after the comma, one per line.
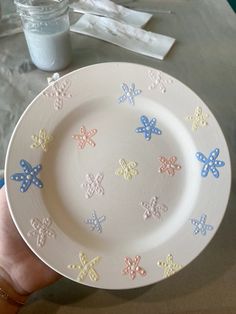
(200,225)
(148,128)
(28,177)
(211,163)
(129,93)
(95,222)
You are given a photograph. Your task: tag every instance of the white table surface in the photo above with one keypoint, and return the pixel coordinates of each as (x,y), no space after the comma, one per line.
(204,58)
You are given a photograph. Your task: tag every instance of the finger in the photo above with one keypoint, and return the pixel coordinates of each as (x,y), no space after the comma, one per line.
(3,199)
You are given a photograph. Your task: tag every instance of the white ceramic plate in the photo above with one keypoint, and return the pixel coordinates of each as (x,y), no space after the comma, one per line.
(134,181)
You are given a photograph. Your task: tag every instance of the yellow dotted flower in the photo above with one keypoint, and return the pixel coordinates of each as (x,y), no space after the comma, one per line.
(86,267)
(169,266)
(41,140)
(127,169)
(199,119)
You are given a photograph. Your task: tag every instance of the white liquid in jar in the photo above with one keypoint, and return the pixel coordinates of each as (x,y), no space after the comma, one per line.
(49,52)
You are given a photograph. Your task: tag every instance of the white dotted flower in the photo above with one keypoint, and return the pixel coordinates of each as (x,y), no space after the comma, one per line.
(41,230)
(158,80)
(93,185)
(58,91)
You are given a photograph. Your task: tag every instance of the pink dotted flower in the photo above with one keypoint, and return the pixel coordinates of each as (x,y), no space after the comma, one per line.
(85,137)
(169,165)
(132,267)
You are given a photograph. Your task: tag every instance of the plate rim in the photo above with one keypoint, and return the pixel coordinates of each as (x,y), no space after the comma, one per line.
(89,283)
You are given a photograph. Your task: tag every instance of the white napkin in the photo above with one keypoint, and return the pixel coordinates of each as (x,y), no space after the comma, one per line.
(109,9)
(124,35)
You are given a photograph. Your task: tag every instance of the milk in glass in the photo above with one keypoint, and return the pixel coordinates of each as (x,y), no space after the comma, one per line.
(46,28)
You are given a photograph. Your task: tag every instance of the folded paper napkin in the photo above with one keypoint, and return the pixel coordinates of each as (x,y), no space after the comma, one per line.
(109,9)
(124,35)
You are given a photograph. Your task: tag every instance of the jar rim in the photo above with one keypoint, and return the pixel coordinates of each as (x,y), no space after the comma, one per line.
(41,7)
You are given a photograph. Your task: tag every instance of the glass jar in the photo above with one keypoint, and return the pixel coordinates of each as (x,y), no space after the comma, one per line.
(46,27)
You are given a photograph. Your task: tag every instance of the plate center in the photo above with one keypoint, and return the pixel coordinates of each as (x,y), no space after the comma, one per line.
(110,194)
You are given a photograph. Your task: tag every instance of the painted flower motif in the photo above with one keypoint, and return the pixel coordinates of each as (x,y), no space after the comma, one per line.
(85,137)
(59,91)
(210,163)
(132,267)
(86,267)
(200,225)
(198,119)
(95,222)
(153,208)
(158,80)
(41,140)
(93,185)
(148,128)
(28,177)
(127,169)
(129,93)
(169,165)
(41,230)
(169,266)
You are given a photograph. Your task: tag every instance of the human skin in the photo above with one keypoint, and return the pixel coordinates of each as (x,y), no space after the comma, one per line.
(21,272)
